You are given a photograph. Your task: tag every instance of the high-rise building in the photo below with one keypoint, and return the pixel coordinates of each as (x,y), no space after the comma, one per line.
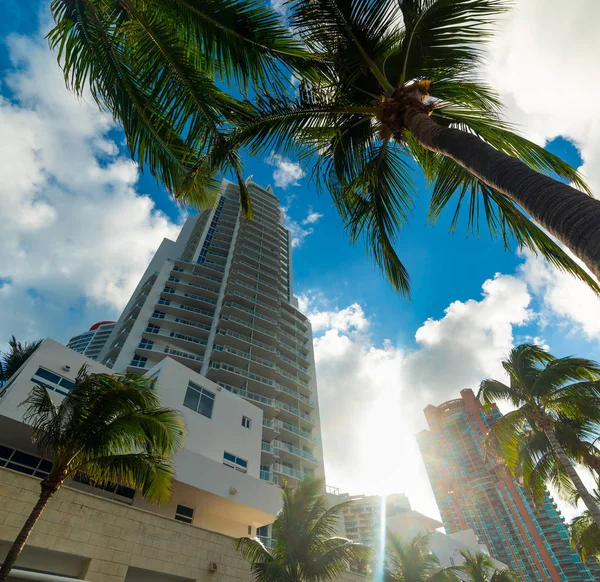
(472,491)
(90,343)
(219,300)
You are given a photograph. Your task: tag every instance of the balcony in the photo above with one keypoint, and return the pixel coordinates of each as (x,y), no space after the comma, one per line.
(182,283)
(180,339)
(246,339)
(248,325)
(269,477)
(187,298)
(179,307)
(243,373)
(252,312)
(246,356)
(178,323)
(272,297)
(194,361)
(295,411)
(284,447)
(282,425)
(255,398)
(249,298)
(191,274)
(268,451)
(294,394)
(283,470)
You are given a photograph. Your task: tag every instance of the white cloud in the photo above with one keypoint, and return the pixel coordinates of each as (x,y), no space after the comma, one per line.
(287,173)
(563,297)
(372,395)
(312,217)
(75,233)
(544,63)
(300,230)
(279,6)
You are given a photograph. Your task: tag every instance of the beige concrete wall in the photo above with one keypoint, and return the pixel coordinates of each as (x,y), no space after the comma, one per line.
(112,537)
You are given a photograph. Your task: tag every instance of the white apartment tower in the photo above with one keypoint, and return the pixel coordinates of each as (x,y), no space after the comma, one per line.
(91,342)
(219,300)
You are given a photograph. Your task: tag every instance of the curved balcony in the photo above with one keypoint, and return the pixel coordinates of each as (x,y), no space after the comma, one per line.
(235,282)
(191,299)
(268,405)
(193,361)
(181,340)
(178,324)
(241,341)
(245,325)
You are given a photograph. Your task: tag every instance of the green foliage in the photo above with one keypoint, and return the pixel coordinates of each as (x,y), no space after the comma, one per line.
(110,428)
(306,547)
(480,568)
(585,532)
(561,395)
(161,69)
(413,562)
(15,357)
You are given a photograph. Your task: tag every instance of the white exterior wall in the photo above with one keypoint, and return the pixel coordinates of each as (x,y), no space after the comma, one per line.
(223,499)
(224,430)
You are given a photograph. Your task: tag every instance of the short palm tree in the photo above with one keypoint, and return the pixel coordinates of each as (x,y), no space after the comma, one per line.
(305,545)
(109,428)
(412,561)
(585,532)
(480,568)
(557,402)
(15,357)
(386,84)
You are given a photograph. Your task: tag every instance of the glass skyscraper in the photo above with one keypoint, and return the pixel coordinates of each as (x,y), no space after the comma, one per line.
(472,491)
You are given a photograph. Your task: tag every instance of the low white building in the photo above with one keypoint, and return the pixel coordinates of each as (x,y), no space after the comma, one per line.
(218,483)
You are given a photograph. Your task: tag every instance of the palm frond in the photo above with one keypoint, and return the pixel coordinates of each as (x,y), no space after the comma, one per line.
(444,37)
(150,473)
(502,217)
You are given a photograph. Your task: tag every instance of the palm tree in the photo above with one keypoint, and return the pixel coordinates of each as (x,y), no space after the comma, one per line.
(15,357)
(585,533)
(305,546)
(480,568)
(108,428)
(413,562)
(385,84)
(557,402)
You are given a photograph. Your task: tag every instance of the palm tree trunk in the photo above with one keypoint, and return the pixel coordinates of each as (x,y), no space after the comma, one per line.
(48,490)
(584,494)
(570,215)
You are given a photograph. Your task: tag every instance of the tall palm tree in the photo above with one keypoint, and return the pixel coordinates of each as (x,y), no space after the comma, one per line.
(480,568)
(385,83)
(413,562)
(109,428)
(305,545)
(557,402)
(585,532)
(15,357)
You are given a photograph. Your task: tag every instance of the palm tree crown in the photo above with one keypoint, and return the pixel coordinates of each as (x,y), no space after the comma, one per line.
(412,561)
(585,532)
(556,418)
(15,357)
(108,428)
(305,545)
(385,84)
(480,568)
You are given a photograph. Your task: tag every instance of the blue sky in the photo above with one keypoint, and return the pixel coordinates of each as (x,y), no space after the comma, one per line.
(80,224)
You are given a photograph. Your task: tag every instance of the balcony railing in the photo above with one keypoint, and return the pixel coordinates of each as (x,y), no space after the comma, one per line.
(267,476)
(195,285)
(249,325)
(247,339)
(296,411)
(246,394)
(245,355)
(252,312)
(171,351)
(168,303)
(254,288)
(268,448)
(182,321)
(249,298)
(294,393)
(295,450)
(294,429)
(277,468)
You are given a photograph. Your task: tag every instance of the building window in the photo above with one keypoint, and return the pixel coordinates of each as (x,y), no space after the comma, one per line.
(52,381)
(234,462)
(185,514)
(139,361)
(151,328)
(24,462)
(246,422)
(146,344)
(199,400)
